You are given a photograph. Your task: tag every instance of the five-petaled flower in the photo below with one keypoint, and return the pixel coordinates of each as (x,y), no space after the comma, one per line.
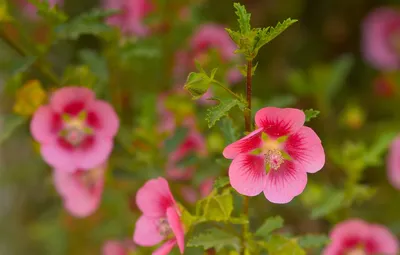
(81,190)
(161,218)
(357,237)
(276,157)
(75,130)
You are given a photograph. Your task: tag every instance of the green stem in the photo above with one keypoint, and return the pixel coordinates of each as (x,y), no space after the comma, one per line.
(227,89)
(46,71)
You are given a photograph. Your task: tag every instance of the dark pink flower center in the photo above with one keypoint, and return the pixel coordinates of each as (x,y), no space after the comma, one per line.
(164,228)
(75,130)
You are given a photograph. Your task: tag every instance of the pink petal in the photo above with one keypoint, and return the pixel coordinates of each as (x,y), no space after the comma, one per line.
(42,128)
(283,184)
(165,248)
(176,226)
(350,228)
(386,242)
(305,147)
(278,122)
(105,120)
(146,231)
(393,170)
(246,144)
(58,157)
(114,248)
(154,198)
(97,154)
(67,95)
(247,174)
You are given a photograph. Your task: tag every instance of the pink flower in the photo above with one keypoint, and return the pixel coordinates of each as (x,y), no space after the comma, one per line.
(130,21)
(161,218)
(81,190)
(191,195)
(75,130)
(381,39)
(193,144)
(394,163)
(276,157)
(114,247)
(357,237)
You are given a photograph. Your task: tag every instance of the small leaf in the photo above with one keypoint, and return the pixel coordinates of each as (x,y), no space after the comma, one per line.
(313,241)
(172,143)
(271,224)
(279,245)
(215,238)
(197,84)
(50,13)
(216,207)
(310,114)
(217,112)
(373,156)
(228,130)
(221,182)
(10,123)
(243,18)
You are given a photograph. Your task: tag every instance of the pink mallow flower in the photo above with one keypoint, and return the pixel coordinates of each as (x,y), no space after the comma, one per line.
(394,163)
(357,237)
(131,18)
(115,247)
(81,190)
(161,218)
(381,38)
(75,130)
(276,157)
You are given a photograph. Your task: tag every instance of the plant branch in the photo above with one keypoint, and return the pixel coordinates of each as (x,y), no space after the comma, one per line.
(228,90)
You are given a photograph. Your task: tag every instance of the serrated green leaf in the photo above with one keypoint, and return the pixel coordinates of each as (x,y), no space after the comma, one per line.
(221,182)
(172,143)
(215,113)
(313,241)
(270,224)
(279,245)
(310,114)
(197,84)
(243,18)
(332,202)
(9,124)
(228,130)
(215,238)
(215,207)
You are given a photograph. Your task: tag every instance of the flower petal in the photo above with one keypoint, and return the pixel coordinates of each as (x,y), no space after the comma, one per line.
(246,144)
(58,157)
(114,248)
(165,248)
(247,174)
(394,163)
(350,228)
(176,226)
(384,240)
(67,95)
(305,147)
(278,122)
(45,125)
(154,198)
(283,184)
(98,152)
(146,231)
(103,118)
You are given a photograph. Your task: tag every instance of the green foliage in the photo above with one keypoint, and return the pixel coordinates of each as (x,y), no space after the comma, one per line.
(228,130)
(198,83)
(9,124)
(215,113)
(21,65)
(243,18)
(280,245)
(215,207)
(88,23)
(270,224)
(4,12)
(221,182)
(310,114)
(330,204)
(172,143)
(79,75)
(340,70)
(313,241)
(215,238)
(51,14)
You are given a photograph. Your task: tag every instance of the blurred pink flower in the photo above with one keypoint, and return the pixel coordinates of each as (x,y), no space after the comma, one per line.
(114,247)
(276,157)
(191,195)
(381,38)
(30,10)
(357,237)
(394,163)
(81,190)
(194,143)
(75,130)
(161,218)
(131,18)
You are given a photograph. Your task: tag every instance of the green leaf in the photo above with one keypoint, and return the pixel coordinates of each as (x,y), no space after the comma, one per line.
(217,112)
(51,14)
(373,156)
(21,65)
(186,217)
(216,207)
(228,130)
(340,70)
(271,224)
(280,245)
(330,204)
(197,84)
(310,114)
(313,241)
(90,23)
(243,18)
(215,238)
(10,124)
(172,143)
(221,182)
